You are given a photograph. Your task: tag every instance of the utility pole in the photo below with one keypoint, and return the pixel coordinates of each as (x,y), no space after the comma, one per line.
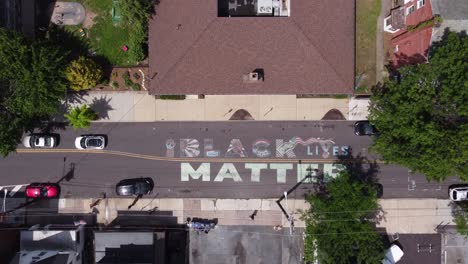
(290,217)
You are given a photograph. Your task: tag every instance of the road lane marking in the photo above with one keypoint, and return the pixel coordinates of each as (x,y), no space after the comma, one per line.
(17,187)
(187,159)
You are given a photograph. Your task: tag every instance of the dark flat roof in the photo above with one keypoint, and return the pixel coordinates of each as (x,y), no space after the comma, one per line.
(193,51)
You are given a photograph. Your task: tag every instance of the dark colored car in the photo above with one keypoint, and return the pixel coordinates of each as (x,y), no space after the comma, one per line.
(134,187)
(42,190)
(364,128)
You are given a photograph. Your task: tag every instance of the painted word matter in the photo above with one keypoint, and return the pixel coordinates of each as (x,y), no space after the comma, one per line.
(228,171)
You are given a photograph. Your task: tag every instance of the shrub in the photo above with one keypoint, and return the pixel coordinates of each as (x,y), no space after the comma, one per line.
(126,78)
(430,22)
(81,116)
(115,85)
(83,73)
(172,97)
(129,83)
(135,87)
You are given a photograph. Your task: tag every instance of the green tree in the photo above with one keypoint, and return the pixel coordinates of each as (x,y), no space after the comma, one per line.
(422,114)
(136,12)
(81,116)
(337,225)
(83,73)
(135,15)
(460,216)
(136,51)
(32,85)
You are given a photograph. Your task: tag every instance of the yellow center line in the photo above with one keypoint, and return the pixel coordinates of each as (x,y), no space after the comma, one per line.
(201,159)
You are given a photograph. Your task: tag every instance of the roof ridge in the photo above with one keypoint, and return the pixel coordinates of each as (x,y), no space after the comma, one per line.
(190,47)
(321,56)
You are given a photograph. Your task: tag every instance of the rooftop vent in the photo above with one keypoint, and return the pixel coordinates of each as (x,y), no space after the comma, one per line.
(254,76)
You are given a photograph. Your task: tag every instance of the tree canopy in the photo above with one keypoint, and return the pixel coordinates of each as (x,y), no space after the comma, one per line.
(422,113)
(135,15)
(337,225)
(32,85)
(83,73)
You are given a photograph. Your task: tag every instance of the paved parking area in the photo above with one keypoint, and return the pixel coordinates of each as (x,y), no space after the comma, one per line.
(420,248)
(246,244)
(454,248)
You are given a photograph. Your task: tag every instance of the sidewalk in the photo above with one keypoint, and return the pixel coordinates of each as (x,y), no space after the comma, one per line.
(404,216)
(415,216)
(228,211)
(141,107)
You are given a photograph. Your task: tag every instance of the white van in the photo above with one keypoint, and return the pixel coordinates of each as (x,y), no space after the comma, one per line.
(393,255)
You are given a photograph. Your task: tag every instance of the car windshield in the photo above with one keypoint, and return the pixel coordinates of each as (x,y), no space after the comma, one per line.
(44,191)
(454,195)
(94,142)
(368,129)
(82,143)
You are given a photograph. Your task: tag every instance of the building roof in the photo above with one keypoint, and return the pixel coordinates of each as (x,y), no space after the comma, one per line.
(124,247)
(398,17)
(60,240)
(413,47)
(193,51)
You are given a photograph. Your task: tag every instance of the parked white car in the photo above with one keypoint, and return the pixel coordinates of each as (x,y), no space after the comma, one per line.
(90,142)
(39,141)
(393,255)
(458,194)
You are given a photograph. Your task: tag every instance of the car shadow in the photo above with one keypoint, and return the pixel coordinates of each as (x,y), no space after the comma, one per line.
(57,137)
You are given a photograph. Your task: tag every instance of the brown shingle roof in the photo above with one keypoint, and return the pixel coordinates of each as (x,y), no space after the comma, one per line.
(192,51)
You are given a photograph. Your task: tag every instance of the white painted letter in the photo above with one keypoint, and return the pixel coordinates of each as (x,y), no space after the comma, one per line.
(281,169)
(304,169)
(187,171)
(256,168)
(228,171)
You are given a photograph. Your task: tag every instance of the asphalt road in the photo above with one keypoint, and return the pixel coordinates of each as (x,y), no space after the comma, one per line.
(236,159)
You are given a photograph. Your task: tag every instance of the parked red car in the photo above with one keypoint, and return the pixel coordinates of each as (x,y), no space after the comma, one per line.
(42,190)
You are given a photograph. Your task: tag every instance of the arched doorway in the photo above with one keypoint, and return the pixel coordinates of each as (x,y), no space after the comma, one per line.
(334,114)
(241,114)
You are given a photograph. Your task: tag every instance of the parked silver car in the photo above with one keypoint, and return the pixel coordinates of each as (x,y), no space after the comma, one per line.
(40,141)
(90,142)
(459,193)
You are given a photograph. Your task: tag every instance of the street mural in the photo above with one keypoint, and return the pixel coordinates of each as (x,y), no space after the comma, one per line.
(317,148)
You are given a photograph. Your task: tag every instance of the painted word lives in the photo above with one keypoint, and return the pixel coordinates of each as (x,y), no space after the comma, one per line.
(260,148)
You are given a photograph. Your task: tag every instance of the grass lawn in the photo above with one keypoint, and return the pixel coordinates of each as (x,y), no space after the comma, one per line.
(104,37)
(107,40)
(367,12)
